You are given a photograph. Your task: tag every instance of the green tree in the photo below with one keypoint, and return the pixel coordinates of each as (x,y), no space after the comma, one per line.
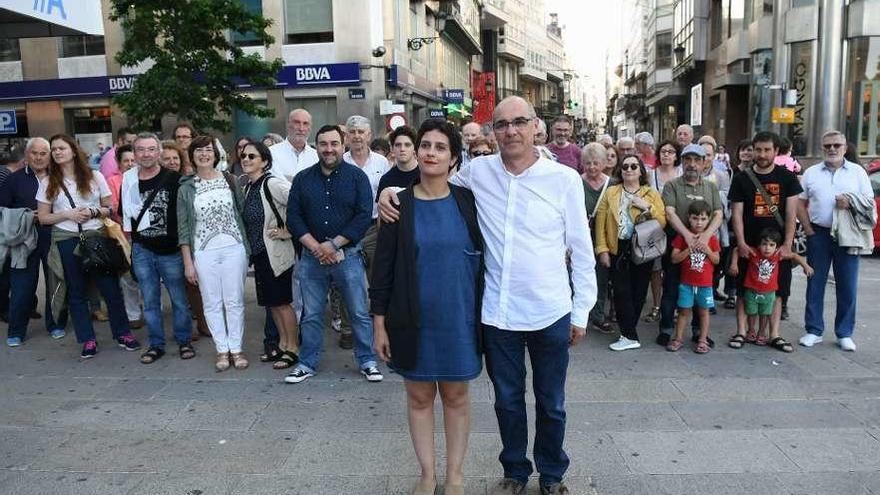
(196,68)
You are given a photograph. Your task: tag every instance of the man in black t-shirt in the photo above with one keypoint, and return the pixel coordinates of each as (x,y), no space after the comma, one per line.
(752,213)
(148,204)
(406,165)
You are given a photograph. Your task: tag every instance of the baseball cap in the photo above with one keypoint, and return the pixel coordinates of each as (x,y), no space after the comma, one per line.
(694,149)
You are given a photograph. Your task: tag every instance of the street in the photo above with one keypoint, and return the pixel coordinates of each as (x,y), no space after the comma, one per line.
(645,421)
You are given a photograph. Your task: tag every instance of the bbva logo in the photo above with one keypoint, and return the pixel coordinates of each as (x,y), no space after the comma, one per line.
(312,74)
(46,6)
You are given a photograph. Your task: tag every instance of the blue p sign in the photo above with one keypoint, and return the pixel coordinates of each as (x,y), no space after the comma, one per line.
(8,125)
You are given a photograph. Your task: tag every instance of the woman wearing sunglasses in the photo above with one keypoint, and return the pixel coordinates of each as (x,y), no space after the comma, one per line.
(480,146)
(631,201)
(271,248)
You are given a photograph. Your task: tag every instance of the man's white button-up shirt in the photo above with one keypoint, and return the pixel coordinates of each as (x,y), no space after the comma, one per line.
(375,168)
(286,162)
(822,185)
(529,221)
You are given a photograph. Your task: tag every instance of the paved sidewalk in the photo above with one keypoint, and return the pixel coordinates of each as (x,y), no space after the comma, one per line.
(754,421)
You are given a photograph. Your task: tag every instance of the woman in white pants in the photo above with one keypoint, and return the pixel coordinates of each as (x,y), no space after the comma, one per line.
(215,248)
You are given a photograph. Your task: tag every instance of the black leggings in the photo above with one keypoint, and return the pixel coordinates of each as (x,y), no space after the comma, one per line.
(630,289)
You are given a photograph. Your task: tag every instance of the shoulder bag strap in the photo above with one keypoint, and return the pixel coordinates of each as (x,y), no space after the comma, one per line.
(72,205)
(148,202)
(601,195)
(271,201)
(767,199)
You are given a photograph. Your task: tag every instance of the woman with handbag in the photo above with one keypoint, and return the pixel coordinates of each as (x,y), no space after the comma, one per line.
(272,250)
(74,200)
(593,160)
(213,242)
(625,205)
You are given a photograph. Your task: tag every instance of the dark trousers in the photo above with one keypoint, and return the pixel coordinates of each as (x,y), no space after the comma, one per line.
(270,331)
(630,290)
(24,282)
(77,300)
(505,362)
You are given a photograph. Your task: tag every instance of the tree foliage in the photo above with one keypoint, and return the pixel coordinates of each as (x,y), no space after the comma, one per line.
(196,69)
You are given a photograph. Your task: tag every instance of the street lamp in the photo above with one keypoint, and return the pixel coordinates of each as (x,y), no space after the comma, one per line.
(415,44)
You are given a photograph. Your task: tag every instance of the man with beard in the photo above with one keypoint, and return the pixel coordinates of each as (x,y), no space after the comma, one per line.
(678,194)
(293,155)
(567,153)
(328,211)
(763,196)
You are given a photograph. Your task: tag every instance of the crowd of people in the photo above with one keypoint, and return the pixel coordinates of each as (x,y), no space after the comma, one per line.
(435,251)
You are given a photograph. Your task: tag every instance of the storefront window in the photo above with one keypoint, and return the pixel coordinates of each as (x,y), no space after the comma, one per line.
(863,95)
(248,125)
(248,38)
(801,80)
(9,50)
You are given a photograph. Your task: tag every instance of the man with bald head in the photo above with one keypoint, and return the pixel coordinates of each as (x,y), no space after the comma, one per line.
(531,212)
(684,135)
(469,132)
(293,155)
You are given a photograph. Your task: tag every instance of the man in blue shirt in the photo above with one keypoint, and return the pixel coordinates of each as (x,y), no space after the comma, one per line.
(329,210)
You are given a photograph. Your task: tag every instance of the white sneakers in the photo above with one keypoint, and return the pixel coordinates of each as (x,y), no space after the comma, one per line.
(809,340)
(845,343)
(624,344)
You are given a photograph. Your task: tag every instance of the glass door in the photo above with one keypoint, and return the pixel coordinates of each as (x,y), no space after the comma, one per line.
(868,118)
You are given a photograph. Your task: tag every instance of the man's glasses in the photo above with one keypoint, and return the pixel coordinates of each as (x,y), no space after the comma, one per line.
(151,149)
(249,156)
(519,123)
(833,146)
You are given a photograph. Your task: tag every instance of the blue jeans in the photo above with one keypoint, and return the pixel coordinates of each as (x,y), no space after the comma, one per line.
(77,300)
(822,254)
(505,362)
(151,269)
(24,287)
(351,279)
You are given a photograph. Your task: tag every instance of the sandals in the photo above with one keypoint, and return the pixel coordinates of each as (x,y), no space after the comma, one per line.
(674,345)
(152,355)
(751,337)
(781,344)
(222,363)
(239,361)
(186,351)
(761,340)
(702,347)
(737,341)
(271,354)
(286,360)
(730,303)
(653,316)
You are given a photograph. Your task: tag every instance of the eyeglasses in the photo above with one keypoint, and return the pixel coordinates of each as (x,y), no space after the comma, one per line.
(182,136)
(249,156)
(151,149)
(481,153)
(833,146)
(629,166)
(519,123)
(206,149)
(667,151)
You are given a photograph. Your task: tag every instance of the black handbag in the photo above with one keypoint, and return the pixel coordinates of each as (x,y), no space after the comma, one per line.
(99,255)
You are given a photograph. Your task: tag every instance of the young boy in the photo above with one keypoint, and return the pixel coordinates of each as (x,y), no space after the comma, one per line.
(697,268)
(762,281)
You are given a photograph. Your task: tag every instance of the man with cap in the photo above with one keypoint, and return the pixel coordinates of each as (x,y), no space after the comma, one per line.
(678,194)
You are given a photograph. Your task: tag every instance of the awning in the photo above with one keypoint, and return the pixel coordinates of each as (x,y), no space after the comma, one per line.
(46,18)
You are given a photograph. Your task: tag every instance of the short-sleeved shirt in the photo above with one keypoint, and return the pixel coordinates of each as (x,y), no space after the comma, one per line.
(696,269)
(161,236)
(98,189)
(397,178)
(569,155)
(679,194)
(757,214)
(762,274)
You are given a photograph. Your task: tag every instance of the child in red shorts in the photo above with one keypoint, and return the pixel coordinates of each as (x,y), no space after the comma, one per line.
(697,268)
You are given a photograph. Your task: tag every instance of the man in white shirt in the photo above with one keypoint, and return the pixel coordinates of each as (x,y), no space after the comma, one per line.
(531,211)
(293,155)
(826,186)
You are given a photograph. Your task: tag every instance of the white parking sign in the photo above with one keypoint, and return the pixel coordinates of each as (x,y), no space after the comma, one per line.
(8,124)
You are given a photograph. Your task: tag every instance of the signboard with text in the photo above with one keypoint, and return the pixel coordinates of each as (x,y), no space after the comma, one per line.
(8,124)
(454,96)
(79,15)
(357,94)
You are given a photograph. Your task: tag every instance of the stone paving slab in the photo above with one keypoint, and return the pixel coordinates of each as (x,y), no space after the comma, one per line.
(765,415)
(839,450)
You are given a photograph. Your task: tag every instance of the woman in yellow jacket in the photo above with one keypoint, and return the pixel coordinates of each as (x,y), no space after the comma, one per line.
(630,202)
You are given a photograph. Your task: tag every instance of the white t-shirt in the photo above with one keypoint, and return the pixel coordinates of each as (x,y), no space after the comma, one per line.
(99,190)
(375,168)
